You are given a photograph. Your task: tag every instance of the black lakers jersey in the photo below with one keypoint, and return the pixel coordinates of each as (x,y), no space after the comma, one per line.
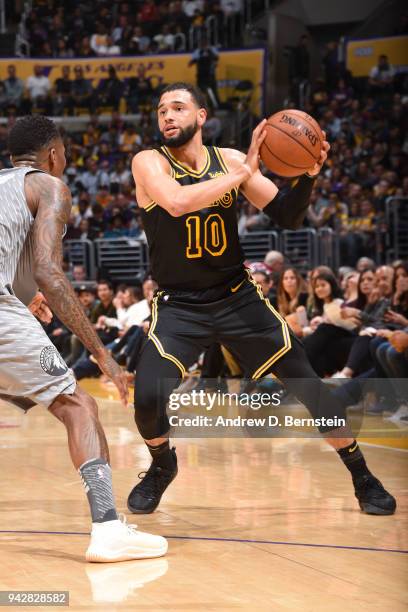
(198,250)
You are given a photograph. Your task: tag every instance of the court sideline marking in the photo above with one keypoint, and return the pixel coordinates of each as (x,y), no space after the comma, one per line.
(237,540)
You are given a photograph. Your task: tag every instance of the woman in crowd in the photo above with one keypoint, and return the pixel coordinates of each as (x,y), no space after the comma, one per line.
(330,342)
(292,299)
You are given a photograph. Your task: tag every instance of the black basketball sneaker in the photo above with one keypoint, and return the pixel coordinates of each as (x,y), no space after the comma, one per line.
(372,496)
(145,496)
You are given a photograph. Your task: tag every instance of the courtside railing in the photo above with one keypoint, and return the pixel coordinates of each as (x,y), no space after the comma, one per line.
(121,259)
(81,253)
(396,214)
(126,259)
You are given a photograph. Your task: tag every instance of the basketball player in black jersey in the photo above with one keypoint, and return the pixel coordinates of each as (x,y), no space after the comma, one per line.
(187,193)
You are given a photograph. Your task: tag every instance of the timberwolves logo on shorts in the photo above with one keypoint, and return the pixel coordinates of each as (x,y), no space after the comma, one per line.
(52,362)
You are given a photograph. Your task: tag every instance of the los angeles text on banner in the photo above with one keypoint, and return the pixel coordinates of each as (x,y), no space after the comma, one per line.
(233,66)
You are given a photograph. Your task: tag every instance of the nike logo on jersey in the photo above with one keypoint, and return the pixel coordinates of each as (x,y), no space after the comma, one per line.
(234,289)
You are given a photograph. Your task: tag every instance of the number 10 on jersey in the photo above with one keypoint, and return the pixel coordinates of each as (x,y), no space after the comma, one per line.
(208,234)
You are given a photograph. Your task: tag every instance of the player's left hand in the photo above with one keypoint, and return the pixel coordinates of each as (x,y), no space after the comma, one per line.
(314,170)
(40,309)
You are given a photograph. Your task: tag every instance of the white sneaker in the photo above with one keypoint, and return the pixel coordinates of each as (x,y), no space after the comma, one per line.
(401,412)
(118,541)
(339,374)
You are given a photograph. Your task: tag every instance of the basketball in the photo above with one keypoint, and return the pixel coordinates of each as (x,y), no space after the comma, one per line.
(293,143)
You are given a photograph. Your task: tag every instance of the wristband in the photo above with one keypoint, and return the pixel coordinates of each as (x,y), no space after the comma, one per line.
(246,166)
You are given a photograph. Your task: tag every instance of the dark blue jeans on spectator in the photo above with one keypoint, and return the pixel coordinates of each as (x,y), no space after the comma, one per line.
(130,343)
(354,390)
(395,364)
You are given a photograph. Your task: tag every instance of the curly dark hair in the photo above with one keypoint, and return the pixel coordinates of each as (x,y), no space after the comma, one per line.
(30,134)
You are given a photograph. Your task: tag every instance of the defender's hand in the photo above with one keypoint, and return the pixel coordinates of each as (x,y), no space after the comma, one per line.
(113,371)
(258,136)
(314,170)
(39,308)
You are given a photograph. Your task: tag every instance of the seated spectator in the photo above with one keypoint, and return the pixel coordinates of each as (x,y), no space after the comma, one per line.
(59,335)
(14,87)
(120,176)
(106,308)
(82,210)
(343,94)
(62,93)
(82,91)
(91,178)
(139,90)
(85,49)
(129,318)
(62,51)
(99,40)
(110,48)
(134,311)
(397,314)
(87,297)
(129,138)
(96,223)
(79,274)
(164,40)
(121,30)
(329,339)
(116,228)
(38,87)
(365,263)
(381,78)
(137,42)
(110,90)
(292,299)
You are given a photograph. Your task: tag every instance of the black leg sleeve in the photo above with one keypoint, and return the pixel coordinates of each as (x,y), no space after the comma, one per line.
(298,376)
(156,378)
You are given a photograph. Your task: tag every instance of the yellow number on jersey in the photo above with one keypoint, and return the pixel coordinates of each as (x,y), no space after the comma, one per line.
(215,238)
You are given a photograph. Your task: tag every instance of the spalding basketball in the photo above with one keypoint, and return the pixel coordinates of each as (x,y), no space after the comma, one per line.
(292,144)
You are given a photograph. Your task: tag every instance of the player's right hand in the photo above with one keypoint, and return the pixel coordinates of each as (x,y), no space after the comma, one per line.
(258,136)
(113,371)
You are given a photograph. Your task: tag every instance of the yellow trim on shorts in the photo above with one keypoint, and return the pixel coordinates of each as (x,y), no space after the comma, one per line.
(285,333)
(157,342)
(150,206)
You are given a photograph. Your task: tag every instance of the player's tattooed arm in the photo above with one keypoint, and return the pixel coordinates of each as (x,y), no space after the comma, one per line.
(52,201)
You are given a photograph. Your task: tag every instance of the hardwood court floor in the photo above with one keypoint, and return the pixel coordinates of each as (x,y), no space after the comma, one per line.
(253,524)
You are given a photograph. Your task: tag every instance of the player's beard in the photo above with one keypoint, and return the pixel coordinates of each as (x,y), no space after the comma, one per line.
(183,137)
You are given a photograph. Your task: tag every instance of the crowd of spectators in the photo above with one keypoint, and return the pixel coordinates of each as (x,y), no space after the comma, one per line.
(354,325)
(95,28)
(73,93)
(365,125)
